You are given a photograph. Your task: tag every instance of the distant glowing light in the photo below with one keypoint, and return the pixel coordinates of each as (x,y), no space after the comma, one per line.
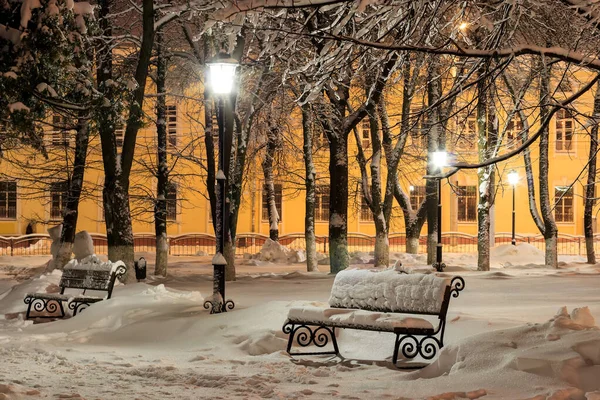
(222,73)
(513,177)
(411,188)
(440,159)
(463,26)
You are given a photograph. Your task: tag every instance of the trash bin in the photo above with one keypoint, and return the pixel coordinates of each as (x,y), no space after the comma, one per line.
(140,269)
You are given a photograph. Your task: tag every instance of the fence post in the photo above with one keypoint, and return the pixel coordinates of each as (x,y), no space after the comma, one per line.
(325,246)
(11,246)
(579,242)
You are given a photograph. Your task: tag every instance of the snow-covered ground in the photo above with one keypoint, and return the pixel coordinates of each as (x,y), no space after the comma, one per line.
(508,337)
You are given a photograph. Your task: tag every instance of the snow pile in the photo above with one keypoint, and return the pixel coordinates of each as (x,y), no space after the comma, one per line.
(361,257)
(12,300)
(275,252)
(388,289)
(565,348)
(94,263)
(128,310)
(519,250)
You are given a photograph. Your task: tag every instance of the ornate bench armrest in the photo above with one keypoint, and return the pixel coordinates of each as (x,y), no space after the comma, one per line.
(120,271)
(457,285)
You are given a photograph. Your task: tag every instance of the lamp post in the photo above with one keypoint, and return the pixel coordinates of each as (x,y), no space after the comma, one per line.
(440,160)
(513,179)
(221,75)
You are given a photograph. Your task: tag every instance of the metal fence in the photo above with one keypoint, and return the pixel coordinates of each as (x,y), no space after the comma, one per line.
(192,244)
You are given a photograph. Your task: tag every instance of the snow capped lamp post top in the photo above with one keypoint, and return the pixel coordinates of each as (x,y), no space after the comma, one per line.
(513,177)
(440,159)
(221,72)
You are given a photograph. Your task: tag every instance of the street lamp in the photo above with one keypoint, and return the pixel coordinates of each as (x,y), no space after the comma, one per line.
(440,160)
(221,76)
(513,179)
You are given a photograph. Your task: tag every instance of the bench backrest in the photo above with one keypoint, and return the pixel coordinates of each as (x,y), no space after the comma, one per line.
(85,279)
(391,291)
(91,274)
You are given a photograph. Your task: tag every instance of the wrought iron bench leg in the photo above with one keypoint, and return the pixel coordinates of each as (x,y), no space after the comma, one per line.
(50,305)
(28,300)
(426,347)
(305,336)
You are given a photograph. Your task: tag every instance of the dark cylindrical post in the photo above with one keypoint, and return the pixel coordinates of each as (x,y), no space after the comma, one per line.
(438,255)
(513,241)
(218,303)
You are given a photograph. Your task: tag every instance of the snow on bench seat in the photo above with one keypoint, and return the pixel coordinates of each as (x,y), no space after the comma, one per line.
(388,291)
(352,318)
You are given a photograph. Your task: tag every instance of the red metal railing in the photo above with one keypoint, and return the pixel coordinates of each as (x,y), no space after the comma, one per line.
(191,244)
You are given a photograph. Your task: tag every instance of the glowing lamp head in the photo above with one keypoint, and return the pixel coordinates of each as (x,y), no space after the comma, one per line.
(411,188)
(513,177)
(440,159)
(221,73)
(463,26)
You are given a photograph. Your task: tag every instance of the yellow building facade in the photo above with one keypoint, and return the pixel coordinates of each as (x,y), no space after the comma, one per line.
(31,196)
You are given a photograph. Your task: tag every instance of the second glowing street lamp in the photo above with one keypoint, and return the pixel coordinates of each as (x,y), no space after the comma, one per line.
(221,75)
(513,179)
(440,160)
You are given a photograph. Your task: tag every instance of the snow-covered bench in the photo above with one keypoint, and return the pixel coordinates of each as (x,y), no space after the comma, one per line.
(91,273)
(384,301)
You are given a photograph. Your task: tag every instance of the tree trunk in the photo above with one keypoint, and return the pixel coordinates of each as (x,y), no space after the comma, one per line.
(69,224)
(267,166)
(117,169)
(311,175)
(162,175)
(413,232)
(230,274)
(338,202)
(229,235)
(434,131)
(550,229)
(119,234)
(382,246)
(485,176)
(588,214)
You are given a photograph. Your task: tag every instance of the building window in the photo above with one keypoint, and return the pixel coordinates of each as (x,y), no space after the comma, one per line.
(466,130)
(120,134)
(59,135)
(513,131)
(365,211)
(278,198)
(563,207)
(171,203)
(59,193)
(565,124)
(467,203)
(417,196)
(366,133)
(171,114)
(322,203)
(8,200)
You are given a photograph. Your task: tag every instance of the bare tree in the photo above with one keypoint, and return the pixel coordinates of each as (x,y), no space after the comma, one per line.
(590,201)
